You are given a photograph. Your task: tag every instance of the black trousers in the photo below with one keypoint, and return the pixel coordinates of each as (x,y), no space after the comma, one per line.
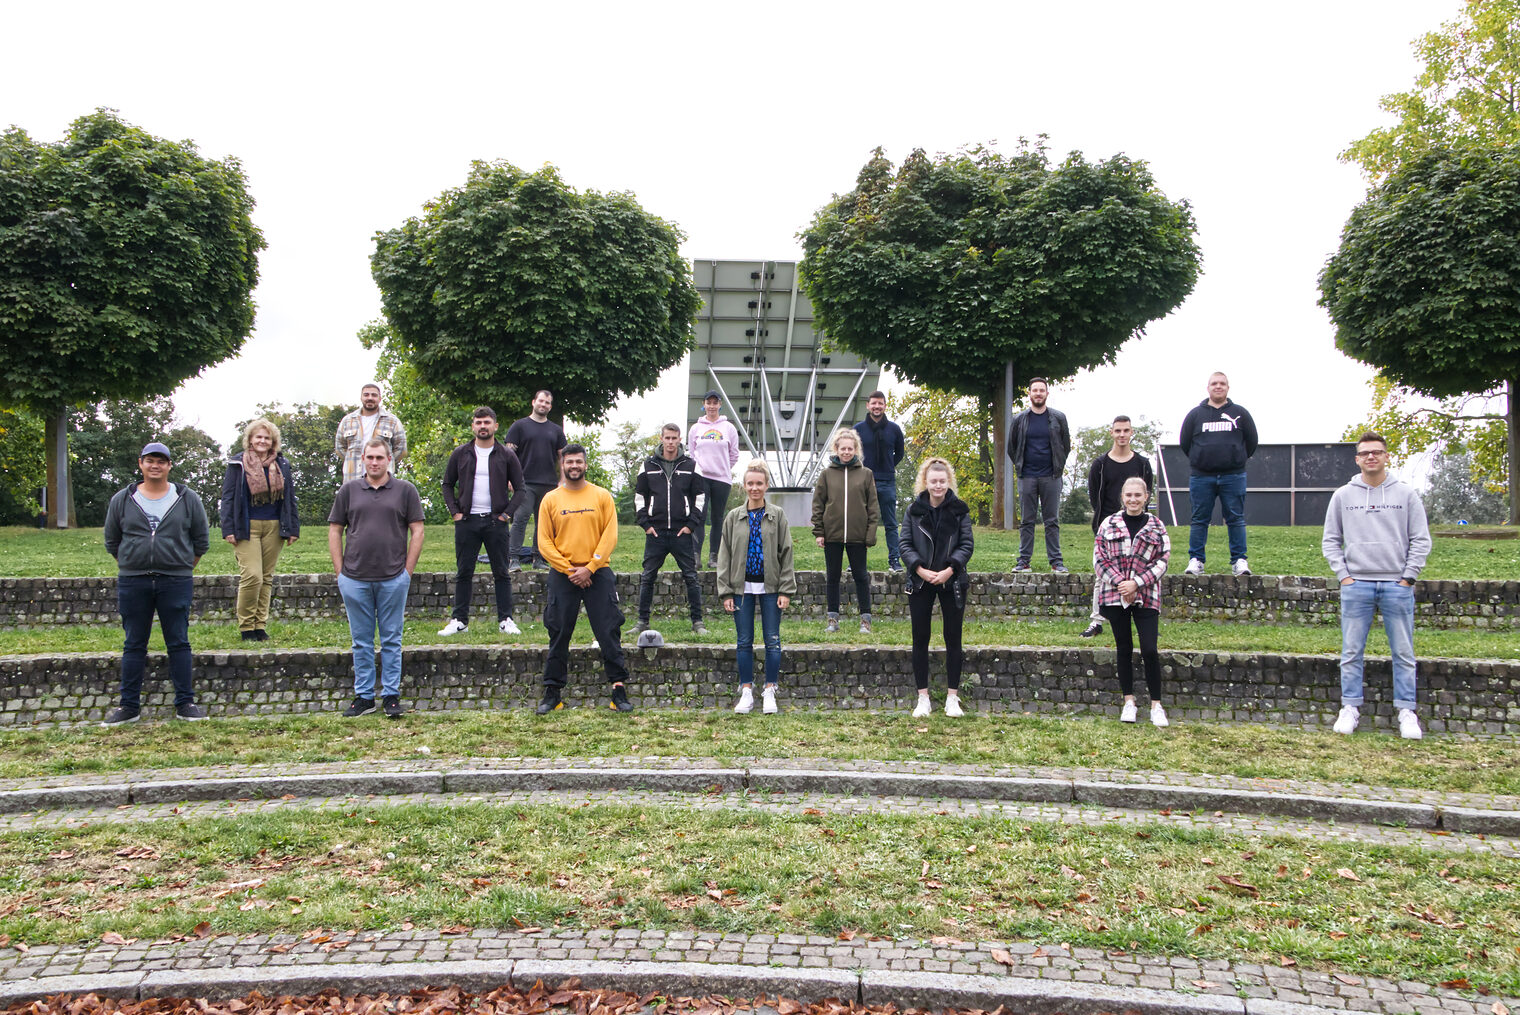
(656,549)
(471,533)
(562,608)
(1147,623)
(716,506)
(921,610)
(833,559)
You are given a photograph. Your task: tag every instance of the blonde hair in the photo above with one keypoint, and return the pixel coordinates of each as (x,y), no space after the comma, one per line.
(938,464)
(758,465)
(263,424)
(844,434)
(1136,479)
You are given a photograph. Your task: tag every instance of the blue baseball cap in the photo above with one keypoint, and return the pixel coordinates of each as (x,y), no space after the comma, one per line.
(155,448)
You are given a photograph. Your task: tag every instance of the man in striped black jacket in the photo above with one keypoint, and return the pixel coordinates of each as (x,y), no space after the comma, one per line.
(668,500)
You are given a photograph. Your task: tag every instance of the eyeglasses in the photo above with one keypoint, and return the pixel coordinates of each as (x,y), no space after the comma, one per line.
(1370,454)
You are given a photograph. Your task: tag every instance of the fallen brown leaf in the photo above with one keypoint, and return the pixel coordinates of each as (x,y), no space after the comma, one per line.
(1002,957)
(202,929)
(1286,962)
(1205,984)
(1347,873)
(1349,981)
(1460,983)
(110,937)
(1233,880)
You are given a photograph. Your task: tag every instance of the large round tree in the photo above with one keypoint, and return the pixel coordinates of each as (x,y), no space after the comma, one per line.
(515,282)
(950,269)
(127,264)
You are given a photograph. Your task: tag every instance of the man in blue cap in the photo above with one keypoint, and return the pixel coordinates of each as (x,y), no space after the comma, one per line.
(157,531)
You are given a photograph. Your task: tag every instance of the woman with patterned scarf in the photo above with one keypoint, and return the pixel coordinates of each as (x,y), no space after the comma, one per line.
(258,517)
(755,570)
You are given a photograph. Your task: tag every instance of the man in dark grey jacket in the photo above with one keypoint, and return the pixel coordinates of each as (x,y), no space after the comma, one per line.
(1038,442)
(158,532)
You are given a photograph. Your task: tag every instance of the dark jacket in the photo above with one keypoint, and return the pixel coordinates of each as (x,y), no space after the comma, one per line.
(1060,440)
(506,478)
(881,455)
(1104,501)
(844,503)
(1218,441)
(233,514)
(672,503)
(950,545)
(181,539)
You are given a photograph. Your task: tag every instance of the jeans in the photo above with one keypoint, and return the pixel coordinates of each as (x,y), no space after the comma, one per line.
(716,492)
(656,549)
(886,501)
(921,609)
(526,507)
(371,605)
(833,565)
(1396,603)
(562,608)
(1042,493)
(471,533)
(138,597)
(256,558)
(770,627)
(1230,489)
(1147,626)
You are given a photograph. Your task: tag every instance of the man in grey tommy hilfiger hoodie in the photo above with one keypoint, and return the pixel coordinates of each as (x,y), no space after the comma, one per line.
(1376,541)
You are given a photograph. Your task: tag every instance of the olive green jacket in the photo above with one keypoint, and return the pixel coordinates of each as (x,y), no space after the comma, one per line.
(775,543)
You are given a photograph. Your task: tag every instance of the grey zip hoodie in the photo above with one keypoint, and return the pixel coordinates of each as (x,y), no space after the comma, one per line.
(1376,533)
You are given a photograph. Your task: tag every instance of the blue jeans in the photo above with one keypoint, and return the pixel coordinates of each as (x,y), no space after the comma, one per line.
(770,626)
(371,605)
(886,501)
(1396,603)
(1230,490)
(138,597)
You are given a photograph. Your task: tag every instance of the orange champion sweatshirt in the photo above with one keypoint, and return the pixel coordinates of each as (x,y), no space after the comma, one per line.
(577,528)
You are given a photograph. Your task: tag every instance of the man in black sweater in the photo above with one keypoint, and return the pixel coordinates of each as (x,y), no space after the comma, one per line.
(482,483)
(1218,437)
(1105,483)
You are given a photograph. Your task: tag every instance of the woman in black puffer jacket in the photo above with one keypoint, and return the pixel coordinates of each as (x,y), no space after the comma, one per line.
(936,544)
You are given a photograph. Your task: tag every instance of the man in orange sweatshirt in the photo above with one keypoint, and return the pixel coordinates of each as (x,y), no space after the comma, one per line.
(577,534)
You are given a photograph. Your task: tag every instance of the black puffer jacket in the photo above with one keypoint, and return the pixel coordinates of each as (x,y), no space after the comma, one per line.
(948,545)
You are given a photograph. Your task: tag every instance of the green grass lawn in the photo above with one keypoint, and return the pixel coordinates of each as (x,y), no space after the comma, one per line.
(30,552)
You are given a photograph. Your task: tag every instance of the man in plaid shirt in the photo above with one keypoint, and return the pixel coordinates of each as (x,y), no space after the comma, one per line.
(363,424)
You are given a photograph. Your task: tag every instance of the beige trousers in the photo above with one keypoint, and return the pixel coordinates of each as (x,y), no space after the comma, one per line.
(256,557)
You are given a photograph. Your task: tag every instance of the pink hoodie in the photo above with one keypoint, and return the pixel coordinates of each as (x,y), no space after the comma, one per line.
(715,446)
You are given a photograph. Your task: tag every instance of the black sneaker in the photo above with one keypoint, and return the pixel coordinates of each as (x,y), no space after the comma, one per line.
(260,634)
(514,565)
(250,636)
(361,706)
(550,702)
(392,706)
(120,716)
(620,700)
(191,712)
(1093,630)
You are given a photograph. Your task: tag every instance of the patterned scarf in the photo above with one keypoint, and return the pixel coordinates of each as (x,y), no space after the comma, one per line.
(266,483)
(754,557)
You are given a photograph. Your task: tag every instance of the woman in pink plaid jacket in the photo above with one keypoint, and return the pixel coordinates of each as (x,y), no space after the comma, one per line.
(1132,550)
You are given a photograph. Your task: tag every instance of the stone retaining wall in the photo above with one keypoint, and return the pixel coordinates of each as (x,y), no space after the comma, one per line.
(1456,695)
(1265,599)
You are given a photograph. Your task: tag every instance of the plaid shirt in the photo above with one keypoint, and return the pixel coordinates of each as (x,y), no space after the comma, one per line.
(348,442)
(1141,558)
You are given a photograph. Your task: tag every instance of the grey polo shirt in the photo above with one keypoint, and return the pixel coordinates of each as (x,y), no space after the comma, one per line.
(376,518)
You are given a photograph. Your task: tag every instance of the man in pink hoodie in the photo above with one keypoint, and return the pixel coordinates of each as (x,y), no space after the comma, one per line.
(714,443)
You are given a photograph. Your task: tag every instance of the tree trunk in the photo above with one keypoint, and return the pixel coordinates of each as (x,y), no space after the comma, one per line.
(1514,454)
(60,491)
(1000,413)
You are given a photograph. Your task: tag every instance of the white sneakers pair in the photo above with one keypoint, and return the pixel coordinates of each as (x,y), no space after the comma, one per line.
(1158,714)
(453,627)
(1239,569)
(1350,715)
(747,700)
(925,706)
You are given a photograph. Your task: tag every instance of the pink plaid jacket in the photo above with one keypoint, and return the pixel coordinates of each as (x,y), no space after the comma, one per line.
(1120,557)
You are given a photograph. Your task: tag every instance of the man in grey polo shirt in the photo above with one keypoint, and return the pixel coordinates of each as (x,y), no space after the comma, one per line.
(382,516)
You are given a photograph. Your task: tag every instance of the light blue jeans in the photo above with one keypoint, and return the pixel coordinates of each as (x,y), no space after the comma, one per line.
(770,627)
(1396,603)
(372,605)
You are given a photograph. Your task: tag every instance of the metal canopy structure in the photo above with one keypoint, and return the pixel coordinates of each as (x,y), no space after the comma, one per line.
(784,389)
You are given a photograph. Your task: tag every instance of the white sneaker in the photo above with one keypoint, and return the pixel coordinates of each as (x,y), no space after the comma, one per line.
(1195,566)
(1158,715)
(746,700)
(1240,568)
(509,626)
(1346,722)
(453,627)
(953,706)
(768,697)
(923,708)
(1129,712)
(1409,725)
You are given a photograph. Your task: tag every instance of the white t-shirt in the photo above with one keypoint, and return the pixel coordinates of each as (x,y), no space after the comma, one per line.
(155,508)
(367,426)
(480,497)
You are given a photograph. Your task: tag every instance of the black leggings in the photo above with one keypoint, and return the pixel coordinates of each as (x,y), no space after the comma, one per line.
(921,609)
(833,554)
(1147,622)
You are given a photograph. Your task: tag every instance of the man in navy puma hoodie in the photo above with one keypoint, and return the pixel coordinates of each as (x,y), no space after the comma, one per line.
(1218,436)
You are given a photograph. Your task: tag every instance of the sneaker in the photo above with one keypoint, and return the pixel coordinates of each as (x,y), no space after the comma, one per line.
(1195,566)
(391,705)
(746,700)
(259,634)
(550,702)
(620,702)
(865,623)
(640,628)
(1129,713)
(120,716)
(953,706)
(1346,722)
(1093,630)
(895,566)
(697,627)
(482,558)
(1022,569)
(1059,569)
(250,636)
(923,708)
(514,566)
(1409,725)
(1158,715)
(361,706)
(768,696)
(1240,568)
(712,562)
(833,624)
(509,626)
(452,628)
(195,713)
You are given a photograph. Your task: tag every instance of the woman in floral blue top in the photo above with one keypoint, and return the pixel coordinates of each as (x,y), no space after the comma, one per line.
(755,569)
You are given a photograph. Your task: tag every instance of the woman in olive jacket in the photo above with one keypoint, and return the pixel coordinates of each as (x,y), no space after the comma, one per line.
(755,572)
(936,545)
(845,515)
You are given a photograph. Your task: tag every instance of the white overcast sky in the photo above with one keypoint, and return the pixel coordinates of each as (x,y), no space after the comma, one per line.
(737,121)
